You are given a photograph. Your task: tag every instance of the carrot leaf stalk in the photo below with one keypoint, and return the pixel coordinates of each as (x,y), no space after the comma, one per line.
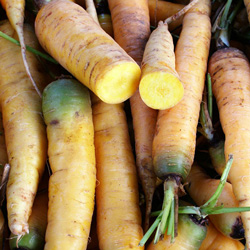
(210,96)
(30,49)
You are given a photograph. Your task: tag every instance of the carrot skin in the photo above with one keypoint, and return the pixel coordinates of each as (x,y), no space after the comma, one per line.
(176,125)
(68,116)
(117,198)
(201,187)
(191,233)
(230,74)
(82,47)
(21,109)
(132,38)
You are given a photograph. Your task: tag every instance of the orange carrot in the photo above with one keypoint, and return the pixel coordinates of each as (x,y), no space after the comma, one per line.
(132,38)
(161,10)
(201,187)
(216,240)
(81,46)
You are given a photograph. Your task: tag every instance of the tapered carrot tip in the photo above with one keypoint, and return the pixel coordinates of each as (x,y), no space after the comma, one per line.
(160,90)
(19,229)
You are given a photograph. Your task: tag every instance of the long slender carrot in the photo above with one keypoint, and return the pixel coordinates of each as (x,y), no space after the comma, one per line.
(133,38)
(24,128)
(81,46)
(68,116)
(230,74)
(117,198)
(201,187)
(174,141)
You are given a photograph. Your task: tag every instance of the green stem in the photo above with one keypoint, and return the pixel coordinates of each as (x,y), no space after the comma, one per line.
(30,49)
(213,200)
(167,202)
(151,230)
(223,20)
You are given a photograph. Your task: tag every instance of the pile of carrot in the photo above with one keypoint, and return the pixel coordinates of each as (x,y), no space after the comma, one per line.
(124,125)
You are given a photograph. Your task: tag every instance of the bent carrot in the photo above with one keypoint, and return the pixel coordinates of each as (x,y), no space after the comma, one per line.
(86,51)
(175,136)
(133,38)
(24,128)
(201,187)
(68,116)
(117,198)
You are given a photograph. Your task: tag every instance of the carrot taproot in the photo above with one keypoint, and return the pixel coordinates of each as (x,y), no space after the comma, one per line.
(160,86)
(15,13)
(35,239)
(87,51)
(201,187)
(191,233)
(230,73)
(117,197)
(161,10)
(68,116)
(133,38)
(216,240)
(24,128)
(174,140)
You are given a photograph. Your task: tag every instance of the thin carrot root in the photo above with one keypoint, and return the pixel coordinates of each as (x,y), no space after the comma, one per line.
(160,86)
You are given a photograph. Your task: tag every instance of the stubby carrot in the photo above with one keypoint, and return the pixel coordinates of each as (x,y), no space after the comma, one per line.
(117,198)
(80,45)
(216,240)
(24,128)
(175,136)
(133,37)
(68,116)
(201,187)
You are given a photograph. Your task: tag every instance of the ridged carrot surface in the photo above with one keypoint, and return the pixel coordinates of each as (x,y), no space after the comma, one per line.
(69,34)
(132,37)
(117,197)
(174,141)
(230,73)
(68,116)
(24,128)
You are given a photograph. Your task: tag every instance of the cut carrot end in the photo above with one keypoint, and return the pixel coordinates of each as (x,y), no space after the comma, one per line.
(161,90)
(119,83)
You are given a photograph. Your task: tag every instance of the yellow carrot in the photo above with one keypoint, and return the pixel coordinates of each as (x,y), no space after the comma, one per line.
(230,73)
(68,116)
(133,37)
(24,128)
(81,46)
